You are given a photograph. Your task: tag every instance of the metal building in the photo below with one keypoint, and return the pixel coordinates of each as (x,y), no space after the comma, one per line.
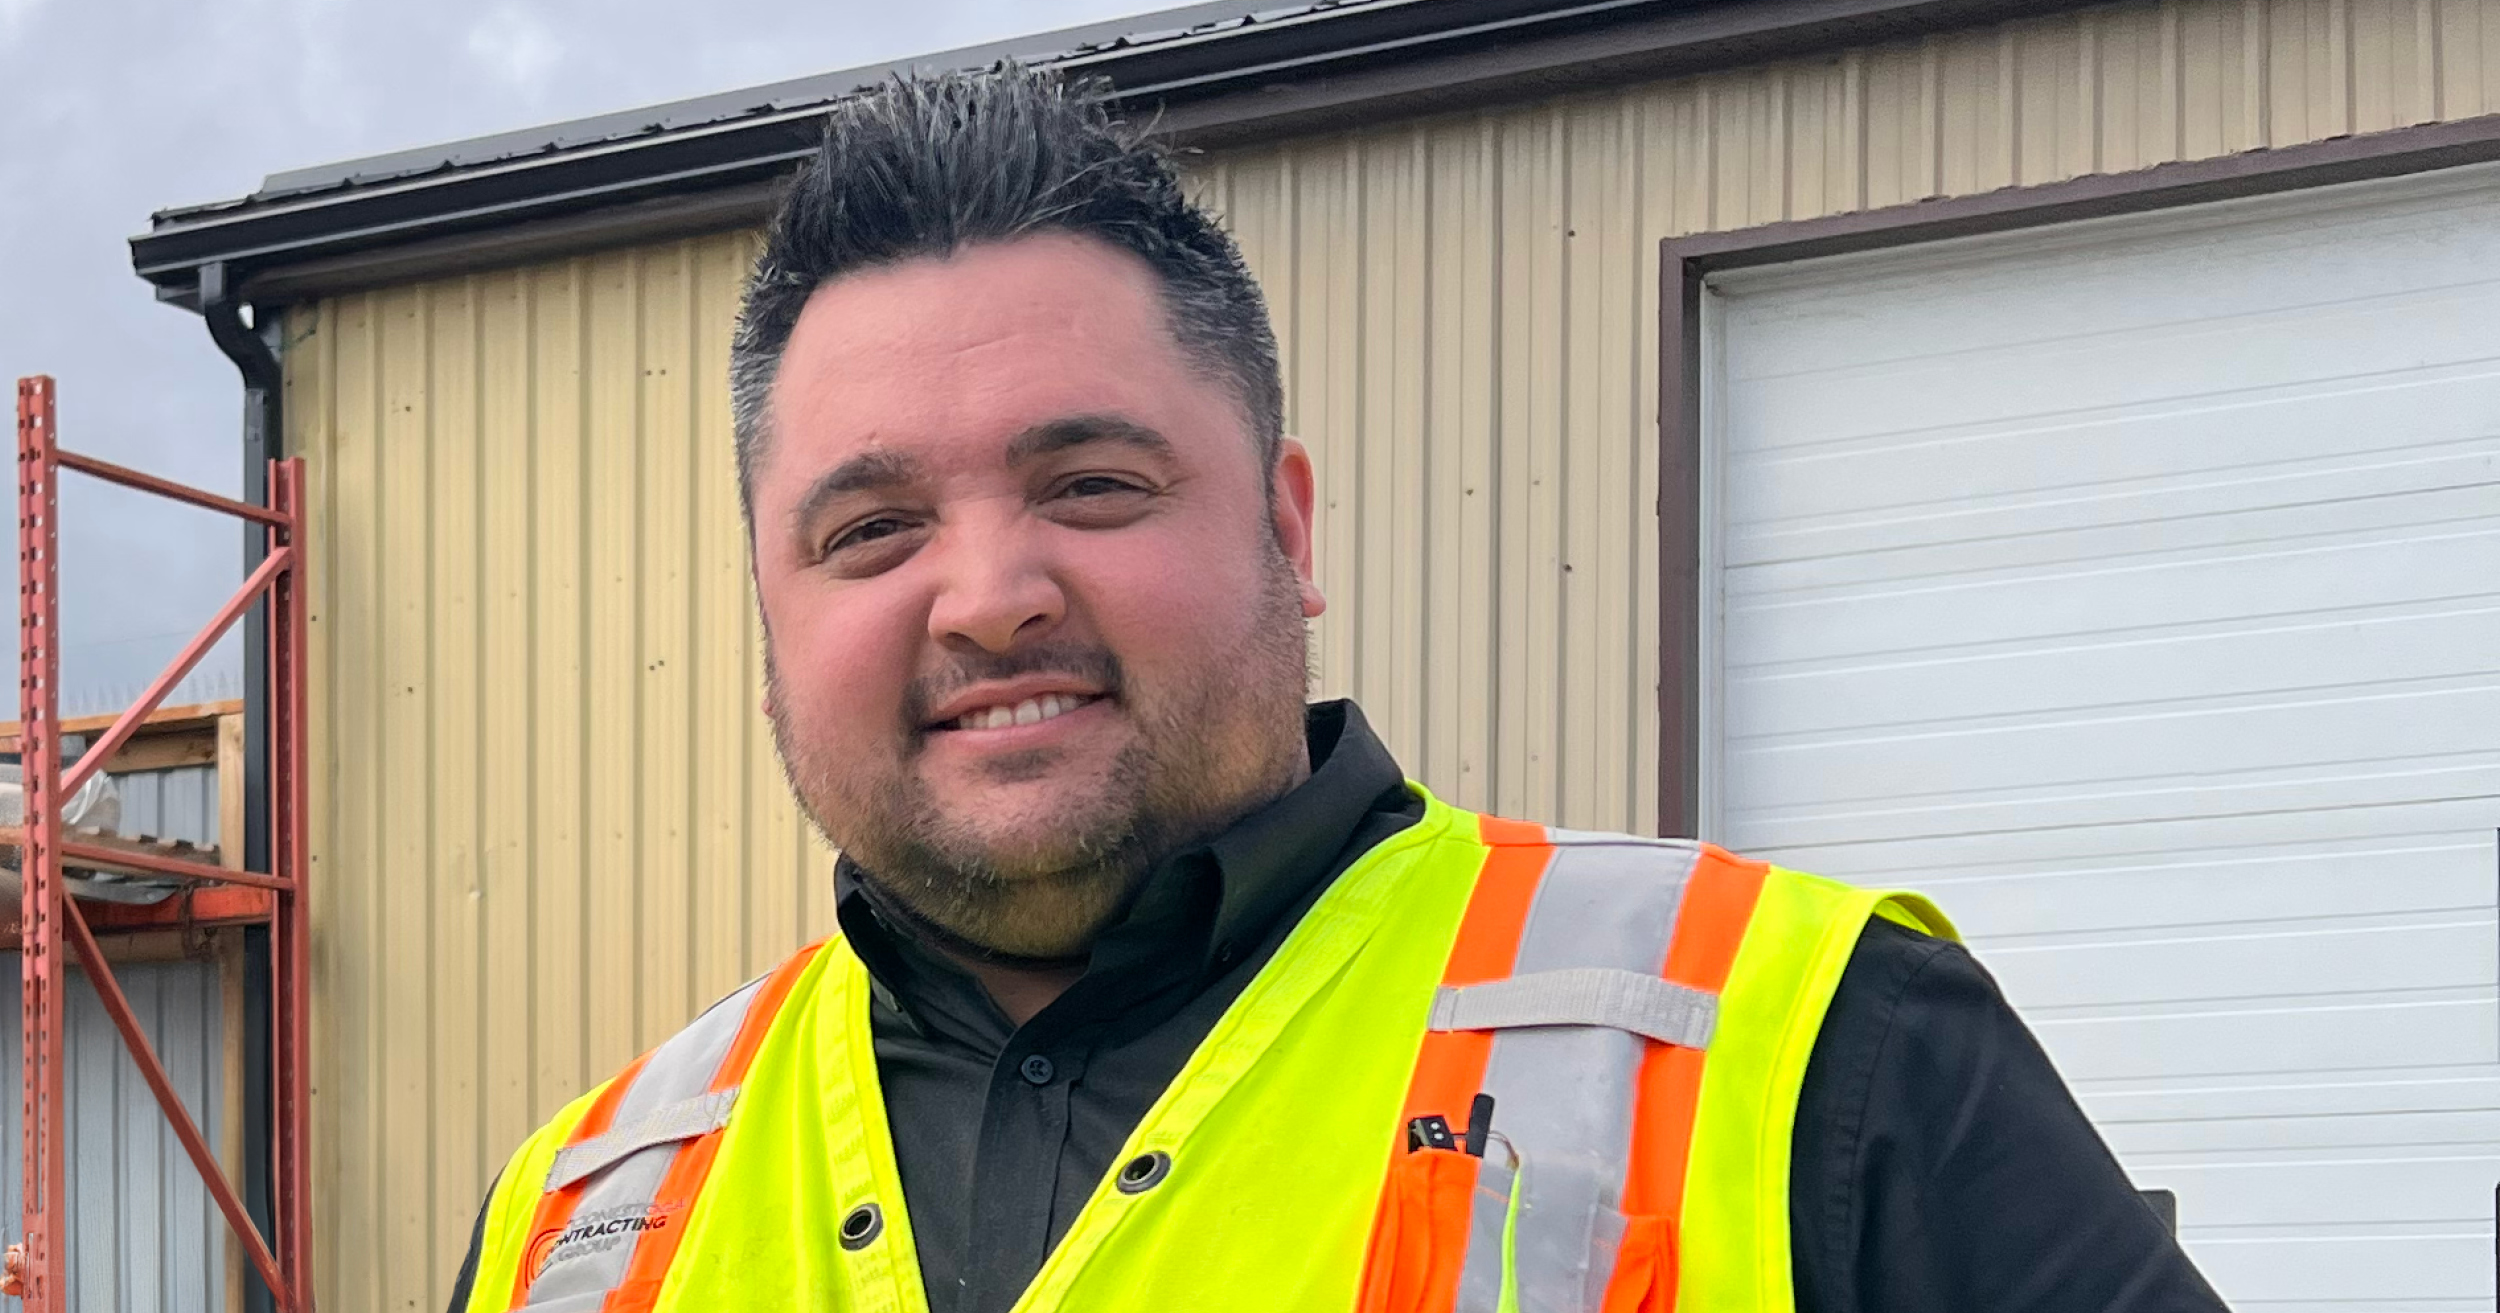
(2044,453)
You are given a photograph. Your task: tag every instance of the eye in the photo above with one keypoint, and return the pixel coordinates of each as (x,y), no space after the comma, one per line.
(1099,500)
(884,526)
(868,546)
(1097,485)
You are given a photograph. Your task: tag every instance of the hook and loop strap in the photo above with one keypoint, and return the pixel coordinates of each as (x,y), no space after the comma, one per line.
(1644,1005)
(669,1123)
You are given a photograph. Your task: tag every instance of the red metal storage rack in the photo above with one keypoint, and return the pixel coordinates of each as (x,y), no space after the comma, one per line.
(53,921)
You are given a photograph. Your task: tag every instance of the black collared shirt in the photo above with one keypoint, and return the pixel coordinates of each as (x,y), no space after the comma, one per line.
(1938,1161)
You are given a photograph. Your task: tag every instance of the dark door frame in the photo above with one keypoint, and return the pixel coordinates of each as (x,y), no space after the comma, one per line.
(1685,263)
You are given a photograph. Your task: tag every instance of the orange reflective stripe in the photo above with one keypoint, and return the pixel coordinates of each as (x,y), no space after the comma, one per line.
(555,1208)
(1416,1265)
(1709,927)
(1708,931)
(759,1018)
(1449,1069)
(655,1249)
(1499,832)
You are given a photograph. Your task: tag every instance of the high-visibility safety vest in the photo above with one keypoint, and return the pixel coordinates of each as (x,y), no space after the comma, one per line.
(1497,1067)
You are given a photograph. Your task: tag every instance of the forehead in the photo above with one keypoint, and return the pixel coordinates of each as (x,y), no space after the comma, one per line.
(985,343)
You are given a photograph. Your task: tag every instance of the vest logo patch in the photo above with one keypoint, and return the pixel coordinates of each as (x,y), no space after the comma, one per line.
(594,1231)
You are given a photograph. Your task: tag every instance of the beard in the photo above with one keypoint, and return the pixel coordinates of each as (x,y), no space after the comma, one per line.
(1224,740)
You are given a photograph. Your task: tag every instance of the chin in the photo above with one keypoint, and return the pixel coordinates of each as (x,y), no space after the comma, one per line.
(1033,831)
(1041,848)
(1039,803)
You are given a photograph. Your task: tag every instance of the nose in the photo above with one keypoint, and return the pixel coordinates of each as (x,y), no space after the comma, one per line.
(995,588)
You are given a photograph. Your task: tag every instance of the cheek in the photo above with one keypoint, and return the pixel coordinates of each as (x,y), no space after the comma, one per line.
(844,657)
(1179,599)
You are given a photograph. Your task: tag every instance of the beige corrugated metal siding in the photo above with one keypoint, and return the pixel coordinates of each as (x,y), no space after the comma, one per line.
(547,818)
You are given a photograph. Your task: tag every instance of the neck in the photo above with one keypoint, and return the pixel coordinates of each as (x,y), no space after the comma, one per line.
(1021,992)
(1020,986)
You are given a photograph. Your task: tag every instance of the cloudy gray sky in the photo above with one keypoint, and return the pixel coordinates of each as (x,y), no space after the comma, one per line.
(110,109)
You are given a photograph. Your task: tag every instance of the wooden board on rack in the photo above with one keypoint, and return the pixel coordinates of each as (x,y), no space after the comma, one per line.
(198,909)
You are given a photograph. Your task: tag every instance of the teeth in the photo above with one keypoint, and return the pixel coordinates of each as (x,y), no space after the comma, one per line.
(1031,711)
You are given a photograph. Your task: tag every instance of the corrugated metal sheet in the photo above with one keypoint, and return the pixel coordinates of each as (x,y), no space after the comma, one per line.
(548,822)
(178,803)
(143,1236)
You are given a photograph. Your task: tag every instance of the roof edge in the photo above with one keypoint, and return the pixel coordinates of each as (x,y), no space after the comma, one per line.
(814,88)
(1314,69)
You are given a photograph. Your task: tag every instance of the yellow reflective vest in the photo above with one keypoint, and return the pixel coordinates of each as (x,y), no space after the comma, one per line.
(1611,1031)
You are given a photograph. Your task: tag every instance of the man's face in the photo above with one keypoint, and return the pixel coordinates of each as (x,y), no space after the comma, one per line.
(1034,618)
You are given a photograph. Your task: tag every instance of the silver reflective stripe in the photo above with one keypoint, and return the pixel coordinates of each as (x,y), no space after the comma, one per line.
(1563,1095)
(1488,1214)
(615,1205)
(682,1120)
(1641,1003)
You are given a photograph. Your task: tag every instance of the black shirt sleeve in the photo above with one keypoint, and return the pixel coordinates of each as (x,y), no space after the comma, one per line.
(461,1284)
(1940,1163)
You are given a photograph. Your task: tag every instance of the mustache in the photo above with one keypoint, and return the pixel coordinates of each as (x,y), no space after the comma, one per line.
(1083,662)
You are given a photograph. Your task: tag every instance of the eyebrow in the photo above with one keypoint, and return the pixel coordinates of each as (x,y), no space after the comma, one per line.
(879,471)
(1060,435)
(869,471)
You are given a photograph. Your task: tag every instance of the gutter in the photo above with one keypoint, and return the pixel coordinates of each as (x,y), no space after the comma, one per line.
(248,346)
(1320,68)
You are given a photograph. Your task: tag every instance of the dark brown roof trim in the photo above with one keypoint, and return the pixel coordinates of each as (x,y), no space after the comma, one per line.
(1685,263)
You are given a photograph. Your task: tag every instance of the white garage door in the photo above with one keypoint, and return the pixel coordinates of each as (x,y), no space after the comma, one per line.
(2135,587)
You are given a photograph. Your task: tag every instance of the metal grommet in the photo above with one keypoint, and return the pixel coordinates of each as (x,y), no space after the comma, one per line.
(864,1224)
(1144,1172)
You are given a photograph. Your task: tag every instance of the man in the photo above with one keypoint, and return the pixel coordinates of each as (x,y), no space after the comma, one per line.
(1157,988)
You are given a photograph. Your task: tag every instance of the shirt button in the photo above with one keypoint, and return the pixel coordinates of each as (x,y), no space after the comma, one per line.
(1037,1070)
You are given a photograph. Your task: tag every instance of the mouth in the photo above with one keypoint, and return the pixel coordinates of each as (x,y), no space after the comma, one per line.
(1026,711)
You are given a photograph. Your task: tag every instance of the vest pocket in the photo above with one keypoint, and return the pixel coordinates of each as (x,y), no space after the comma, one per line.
(1644,1272)
(1419,1239)
(1457,1234)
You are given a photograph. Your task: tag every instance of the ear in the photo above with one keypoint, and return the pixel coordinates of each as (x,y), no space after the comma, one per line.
(1295,496)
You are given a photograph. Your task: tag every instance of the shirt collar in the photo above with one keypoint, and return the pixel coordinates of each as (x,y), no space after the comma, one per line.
(1269,859)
